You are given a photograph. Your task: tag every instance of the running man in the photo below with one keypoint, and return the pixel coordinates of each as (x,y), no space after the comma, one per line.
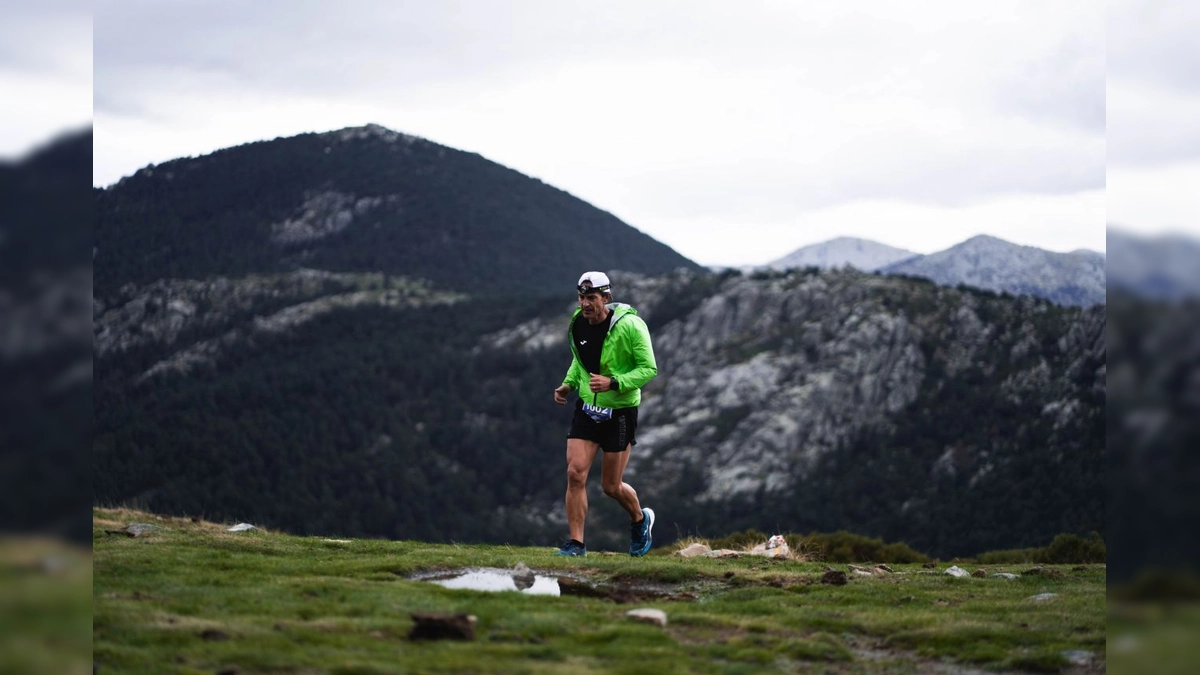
(612,359)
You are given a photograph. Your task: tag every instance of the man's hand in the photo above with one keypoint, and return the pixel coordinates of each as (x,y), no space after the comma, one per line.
(600,383)
(560,394)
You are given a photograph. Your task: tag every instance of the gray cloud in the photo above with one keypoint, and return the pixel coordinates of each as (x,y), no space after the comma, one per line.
(754,109)
(1153,84)
(1067,86)
(1154,41)
(44,37)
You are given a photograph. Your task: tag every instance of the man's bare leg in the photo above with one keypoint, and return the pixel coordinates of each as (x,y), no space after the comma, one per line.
(612,471)
(580,455)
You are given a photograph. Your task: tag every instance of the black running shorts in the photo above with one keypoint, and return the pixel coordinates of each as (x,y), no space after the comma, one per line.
(613,435)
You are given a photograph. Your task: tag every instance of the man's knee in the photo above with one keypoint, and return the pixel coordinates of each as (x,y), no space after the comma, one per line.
(576,476)
(612,488)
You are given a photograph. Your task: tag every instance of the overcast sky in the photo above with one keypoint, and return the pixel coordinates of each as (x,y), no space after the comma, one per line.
(45,72)
(734,132)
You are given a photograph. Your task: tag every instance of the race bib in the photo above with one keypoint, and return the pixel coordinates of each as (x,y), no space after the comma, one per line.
(597,413)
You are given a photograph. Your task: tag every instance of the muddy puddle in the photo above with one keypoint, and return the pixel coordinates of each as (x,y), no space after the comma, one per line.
(493,579)
(524,580)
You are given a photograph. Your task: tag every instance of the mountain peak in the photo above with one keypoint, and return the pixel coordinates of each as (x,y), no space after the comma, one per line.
(991,263)
(372,130)
(363,199)
(862,254)
(988,241)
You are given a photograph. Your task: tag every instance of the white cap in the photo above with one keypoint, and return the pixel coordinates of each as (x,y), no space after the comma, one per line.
(598,280)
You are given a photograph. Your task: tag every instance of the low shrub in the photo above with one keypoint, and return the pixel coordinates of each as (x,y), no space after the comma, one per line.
(845,547)
(740,541)
(1012,556)
(1064,549)
(1070,548)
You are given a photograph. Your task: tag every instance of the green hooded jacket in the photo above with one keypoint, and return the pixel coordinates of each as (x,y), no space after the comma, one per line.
(626,355)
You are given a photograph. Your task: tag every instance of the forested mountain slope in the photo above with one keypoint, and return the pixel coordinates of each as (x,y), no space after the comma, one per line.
(362,199)
(956,420)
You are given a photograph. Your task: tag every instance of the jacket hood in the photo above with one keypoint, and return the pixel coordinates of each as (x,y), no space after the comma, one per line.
(618,309)
(621,309)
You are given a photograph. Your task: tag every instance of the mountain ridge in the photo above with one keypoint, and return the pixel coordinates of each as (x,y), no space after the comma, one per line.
(361,199)
(1160,267)
(991,263)
(983,261)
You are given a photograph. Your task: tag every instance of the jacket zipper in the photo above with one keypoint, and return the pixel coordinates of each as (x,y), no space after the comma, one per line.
(614,319)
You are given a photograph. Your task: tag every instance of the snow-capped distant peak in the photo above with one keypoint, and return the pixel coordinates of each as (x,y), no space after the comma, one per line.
(862,254)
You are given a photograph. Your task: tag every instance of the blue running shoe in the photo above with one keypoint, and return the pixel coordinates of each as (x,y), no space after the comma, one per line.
(572,548)
(639,541)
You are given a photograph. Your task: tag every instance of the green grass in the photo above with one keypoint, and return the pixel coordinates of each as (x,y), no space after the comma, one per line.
(192,597)
(1154,636)
(45,609)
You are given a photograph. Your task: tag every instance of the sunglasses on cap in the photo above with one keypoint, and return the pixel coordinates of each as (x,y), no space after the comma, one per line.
(584,290)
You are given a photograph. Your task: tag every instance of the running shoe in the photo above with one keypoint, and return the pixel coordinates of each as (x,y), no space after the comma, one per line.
(572,548)
(640,540)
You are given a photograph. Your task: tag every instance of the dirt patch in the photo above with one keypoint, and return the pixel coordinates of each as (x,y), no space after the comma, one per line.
(703,636)
(1044,572)
(791,580)
(621,592)
(136,595)
(885,658)
(834,577)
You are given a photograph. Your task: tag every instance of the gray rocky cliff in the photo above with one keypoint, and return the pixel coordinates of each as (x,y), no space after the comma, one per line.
(765,376)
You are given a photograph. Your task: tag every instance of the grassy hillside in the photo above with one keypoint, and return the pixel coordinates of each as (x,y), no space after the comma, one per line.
(189,597)
(45,611)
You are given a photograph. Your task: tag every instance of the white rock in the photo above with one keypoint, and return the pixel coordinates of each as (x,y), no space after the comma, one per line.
(1043,596)
(722,553)
(648,615)
(776,547)
(1004,575)
(242,527)
(956,571)
(693,550)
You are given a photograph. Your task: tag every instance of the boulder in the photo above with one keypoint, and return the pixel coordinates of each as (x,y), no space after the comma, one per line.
(775,547)
(693,550)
